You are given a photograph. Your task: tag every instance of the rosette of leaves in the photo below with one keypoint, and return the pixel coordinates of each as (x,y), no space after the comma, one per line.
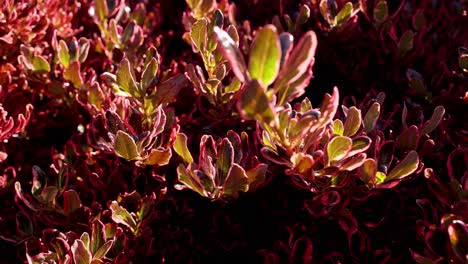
(203,42)
(221,168)
(109,16)
(292,25)
(335,17)
(382,169)
(137,133)
(85,249)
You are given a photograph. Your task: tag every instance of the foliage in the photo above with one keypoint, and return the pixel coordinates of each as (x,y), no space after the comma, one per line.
(218,131)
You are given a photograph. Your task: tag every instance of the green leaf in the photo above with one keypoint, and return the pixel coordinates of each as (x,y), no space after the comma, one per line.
(149,74)
(304,14)
(71,201)
(101,9)
(81,254)
(380,177)
(407,166)
(265,54)
(125,146)
(406,42)
(458,234)
(73,74)
(85,238)
(353,122)
(436,117)
(338,148)
(190,180)
(126,78)
(63,55)
(232,54)
(40,65)
(120,215)
(237,180)
(463,62)
(360,144)
(224,161)
(381,11)
(254,103)
(159,156)
(103,250)
(371,117)
(338,127)
(98,236)
(344,14)
(199,35)
(367,171)
(180,147)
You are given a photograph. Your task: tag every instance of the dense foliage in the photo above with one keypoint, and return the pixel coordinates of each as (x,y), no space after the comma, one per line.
(279,131)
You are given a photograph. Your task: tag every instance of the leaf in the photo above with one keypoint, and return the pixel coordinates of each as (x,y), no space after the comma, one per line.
(190,180)
(380,177)
(98,236)
(159,156)
(338,127)
(299,61)
(85,238)
(304,14)
(256,175)
(71,201)
(81,254)
(232,54)
(344,14)
(406,42)
(125,146)
(458,234)
(180,147)
(84,49)
(381,11)
(168,89)
(353,162)
(254,104)
(103,250)
(73,74)
(126,78)
(101,9)
(40,65)
(198,34)
(407,166)
(149,74)
(463,62)
(338,148)
(120,215)
(265,54)
(408,139)
(371,117)
(287,42)
(24,226)
(360,144)
(63,55)
(236,180)
(436,117)
(367,171)
(224,161)
(353,122)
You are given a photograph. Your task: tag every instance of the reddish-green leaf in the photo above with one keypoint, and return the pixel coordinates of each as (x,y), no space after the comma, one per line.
(98,236)
(406,42)
(232,54)
(149,74)
(190,180)
(236,180)
(338,127)
(256,175)
(407,166)
(199,34)
(367,171)
(265,54)
(120,215)
(371,117)
(353,122)
(254,103)
(40,65)
(103,250)
(159,156)
(224,161)
(180,147)
(408,140)
(71,201)
(436,117)
(344,14)
(125,146)
(63,55)
(81,254)
(458,234)
(126,78)
(338,148)
(73,74)
(168,90)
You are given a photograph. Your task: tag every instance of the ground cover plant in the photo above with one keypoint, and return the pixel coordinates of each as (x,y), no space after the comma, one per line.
(203,131)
